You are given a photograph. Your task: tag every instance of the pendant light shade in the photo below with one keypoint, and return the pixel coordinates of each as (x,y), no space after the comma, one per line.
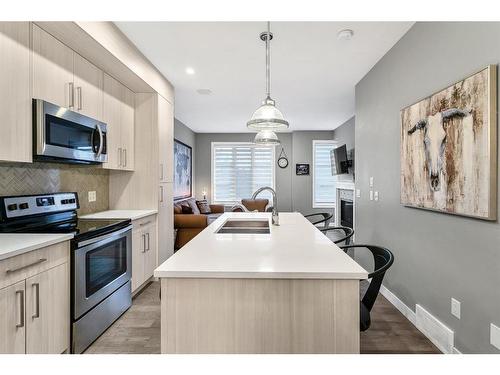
(266,138)
(267,116)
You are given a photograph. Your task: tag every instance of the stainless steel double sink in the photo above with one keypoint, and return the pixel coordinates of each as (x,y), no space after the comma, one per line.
(245,226)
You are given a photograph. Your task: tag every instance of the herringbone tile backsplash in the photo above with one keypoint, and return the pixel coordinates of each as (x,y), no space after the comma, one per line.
(36,178)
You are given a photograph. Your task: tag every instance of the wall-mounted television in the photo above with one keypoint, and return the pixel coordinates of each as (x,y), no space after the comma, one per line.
(339,161)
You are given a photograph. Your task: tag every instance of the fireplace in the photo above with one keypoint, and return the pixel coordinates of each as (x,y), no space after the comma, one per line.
(346,207)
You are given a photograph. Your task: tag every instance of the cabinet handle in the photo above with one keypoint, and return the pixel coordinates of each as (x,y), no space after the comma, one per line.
(71,94)
(26,266)
(161,172)
(21,308)
(143,243)
(79,93)
(37,300)
(149,248)
(125,157)
(161,194)
(146,223)
(119,157)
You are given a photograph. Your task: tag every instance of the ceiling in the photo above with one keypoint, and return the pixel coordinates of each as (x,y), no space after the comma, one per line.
(313,73)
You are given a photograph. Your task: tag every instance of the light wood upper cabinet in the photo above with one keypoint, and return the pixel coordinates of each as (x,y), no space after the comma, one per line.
(52,69)
(118,114)
(166,139)
(47,311)
(88,88)
(15,94)
(12,319)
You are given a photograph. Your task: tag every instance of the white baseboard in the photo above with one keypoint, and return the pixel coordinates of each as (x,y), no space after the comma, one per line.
(398,304)
(439,334)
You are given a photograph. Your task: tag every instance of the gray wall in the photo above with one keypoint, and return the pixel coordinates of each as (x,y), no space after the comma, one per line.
(345,134)
(437,256)
(294,192)
(187,136)
(303,185)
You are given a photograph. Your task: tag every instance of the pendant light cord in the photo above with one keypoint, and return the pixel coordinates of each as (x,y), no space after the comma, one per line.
(268,61)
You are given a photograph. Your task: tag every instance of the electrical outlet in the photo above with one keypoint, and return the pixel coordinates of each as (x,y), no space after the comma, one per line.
(455,308)
(371,195)
(495,336)
(358,193)
(92,196)
(371,182)
(375,195)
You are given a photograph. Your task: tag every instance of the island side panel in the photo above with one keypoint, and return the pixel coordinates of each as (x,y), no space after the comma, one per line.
(259,316)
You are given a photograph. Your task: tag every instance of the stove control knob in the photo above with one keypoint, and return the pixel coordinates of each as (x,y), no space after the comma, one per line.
(12,207)
(64,201)
(72,200)
(23,206)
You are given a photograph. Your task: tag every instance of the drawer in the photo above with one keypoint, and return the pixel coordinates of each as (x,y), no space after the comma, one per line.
(144,222)
(20,267)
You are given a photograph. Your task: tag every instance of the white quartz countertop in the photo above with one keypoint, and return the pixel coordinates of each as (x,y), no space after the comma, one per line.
(120,214)
(12,244)
(294,250)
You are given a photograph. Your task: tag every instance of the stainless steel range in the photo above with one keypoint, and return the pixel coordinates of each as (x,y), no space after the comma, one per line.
(101,258)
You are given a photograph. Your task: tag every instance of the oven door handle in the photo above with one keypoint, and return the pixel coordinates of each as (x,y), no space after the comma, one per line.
(107,236)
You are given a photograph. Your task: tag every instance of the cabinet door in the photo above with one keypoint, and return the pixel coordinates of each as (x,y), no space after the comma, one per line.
(127,128)
(112,92)
(138,249)
(47,311)
(52,69)
(88,88)
(12,319)
(165,222)
(166,139)
(150,253)
(15,97)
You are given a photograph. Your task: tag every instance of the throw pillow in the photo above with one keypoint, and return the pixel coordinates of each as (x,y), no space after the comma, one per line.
(204,207)
(186,210)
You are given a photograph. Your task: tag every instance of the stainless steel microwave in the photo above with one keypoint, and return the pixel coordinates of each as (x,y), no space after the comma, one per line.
(67,136)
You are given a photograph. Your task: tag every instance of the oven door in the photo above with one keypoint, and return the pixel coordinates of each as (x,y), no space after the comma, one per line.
(64,134)
(100,266)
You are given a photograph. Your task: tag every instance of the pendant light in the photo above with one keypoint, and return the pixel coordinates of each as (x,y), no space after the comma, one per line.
(267,117)
(266,138)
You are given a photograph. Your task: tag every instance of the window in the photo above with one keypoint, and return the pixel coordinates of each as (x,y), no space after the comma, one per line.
(324,194)
(238,169)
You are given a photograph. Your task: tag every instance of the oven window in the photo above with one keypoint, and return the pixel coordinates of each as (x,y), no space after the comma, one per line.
(63,133)
(104,264)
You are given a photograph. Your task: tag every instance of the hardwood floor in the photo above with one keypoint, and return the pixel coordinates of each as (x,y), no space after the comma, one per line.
(138,330)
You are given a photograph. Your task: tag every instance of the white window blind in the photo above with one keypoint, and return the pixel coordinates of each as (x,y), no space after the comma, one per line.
(238,169)
(323,180)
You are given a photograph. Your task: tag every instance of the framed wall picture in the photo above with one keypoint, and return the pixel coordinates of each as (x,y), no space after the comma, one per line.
(183,170)
(302,169)
(449,149)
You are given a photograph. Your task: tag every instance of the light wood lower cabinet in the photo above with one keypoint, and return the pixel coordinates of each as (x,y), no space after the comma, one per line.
(144,243)
(35,306)
(12,324)
(47,311)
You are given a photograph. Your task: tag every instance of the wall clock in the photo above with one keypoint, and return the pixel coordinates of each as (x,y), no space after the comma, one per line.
(282,159)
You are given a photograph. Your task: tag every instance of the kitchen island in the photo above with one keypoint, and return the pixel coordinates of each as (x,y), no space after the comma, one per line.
(287,291)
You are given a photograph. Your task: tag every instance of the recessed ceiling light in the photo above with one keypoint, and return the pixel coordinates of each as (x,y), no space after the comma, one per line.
(345,34)
(189,71)
(204,91)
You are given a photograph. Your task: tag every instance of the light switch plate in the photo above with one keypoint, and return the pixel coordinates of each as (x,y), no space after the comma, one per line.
(455,308)
(358,193)
(371,182)
(495,336)
(371,195)
(375,195)
(92,196)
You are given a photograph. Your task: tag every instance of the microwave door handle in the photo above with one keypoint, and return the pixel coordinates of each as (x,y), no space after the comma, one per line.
(101,140)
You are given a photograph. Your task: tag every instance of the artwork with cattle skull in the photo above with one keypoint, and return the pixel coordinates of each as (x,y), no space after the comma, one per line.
(447,149)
